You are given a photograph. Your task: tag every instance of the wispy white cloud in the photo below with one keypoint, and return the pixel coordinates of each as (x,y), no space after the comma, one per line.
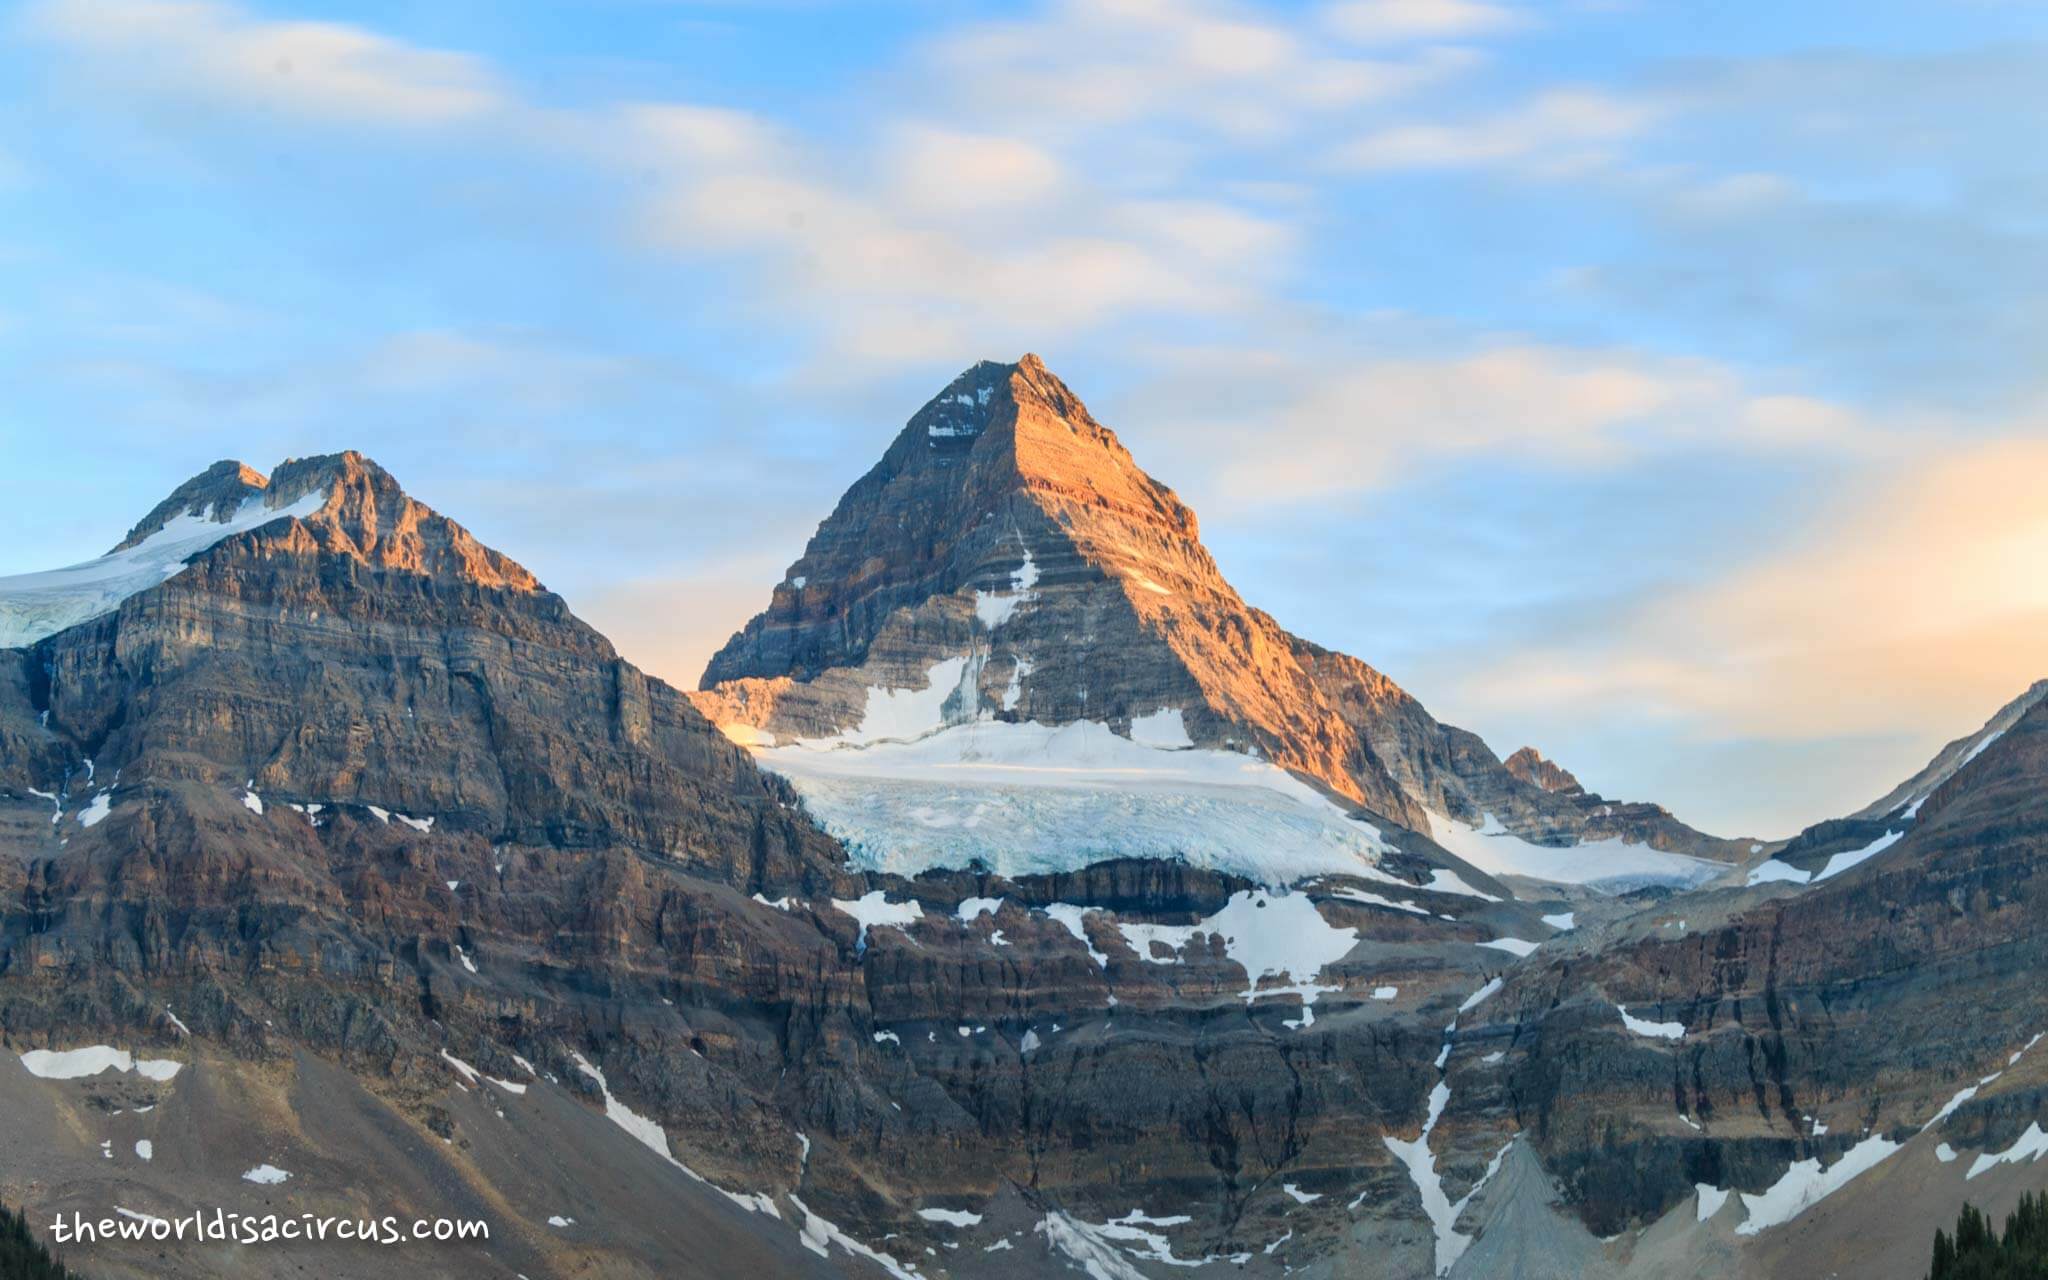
(1390,21)
(1334,420)
(1905,595)
(1089,65)
(941,172)
(985,236)
(218,53)
(1558,131)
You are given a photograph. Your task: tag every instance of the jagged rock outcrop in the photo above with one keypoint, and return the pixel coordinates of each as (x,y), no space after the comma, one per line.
(1530,766)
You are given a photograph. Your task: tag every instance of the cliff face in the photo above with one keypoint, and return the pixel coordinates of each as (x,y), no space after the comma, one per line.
(348,784)
(372,653)
(1886,1006)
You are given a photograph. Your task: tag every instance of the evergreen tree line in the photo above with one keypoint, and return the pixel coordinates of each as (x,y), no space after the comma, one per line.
(1978,1252)
(22,1256)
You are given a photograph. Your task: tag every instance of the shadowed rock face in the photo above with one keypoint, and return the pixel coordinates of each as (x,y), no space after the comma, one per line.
(352,783)
(1866,1001)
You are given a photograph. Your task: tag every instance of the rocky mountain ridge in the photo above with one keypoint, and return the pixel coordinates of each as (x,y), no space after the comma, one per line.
(350,816)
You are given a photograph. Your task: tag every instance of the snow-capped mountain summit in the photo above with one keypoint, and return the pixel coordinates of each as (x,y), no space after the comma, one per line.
(343,502)
(1007,583)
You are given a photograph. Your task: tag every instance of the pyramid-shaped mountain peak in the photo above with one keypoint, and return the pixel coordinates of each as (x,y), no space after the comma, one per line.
(1004,468)
(1008,560)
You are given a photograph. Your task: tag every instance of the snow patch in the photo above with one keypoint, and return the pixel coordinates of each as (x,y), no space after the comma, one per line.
(1071,916)
(1653,1030)
(1444,881)
(1562,920)
(1806,1184)
(995,607)
(1513,946)
(1099,1247)
(818,1233)
(2032,1145)
(92,813)
(1611,864)
(951,1217)
(655,1139)
(1843,861)
(1163,730)
(1268,935)
(266,1175)
(874,910)
(77,1064)
(1772,871)
(1370,899)
(900,715)
(145,1149)
(1300,1196)
(1710,1199)
(1014,692)
(1474,1000)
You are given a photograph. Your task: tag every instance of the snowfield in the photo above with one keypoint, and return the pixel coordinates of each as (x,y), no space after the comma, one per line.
(36,605)
(1028,799)
(1613,864)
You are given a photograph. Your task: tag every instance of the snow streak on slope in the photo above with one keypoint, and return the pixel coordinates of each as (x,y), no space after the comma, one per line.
(35,605)
(1031,798)
(1420,1161)
(1806,1184)
(1611,864)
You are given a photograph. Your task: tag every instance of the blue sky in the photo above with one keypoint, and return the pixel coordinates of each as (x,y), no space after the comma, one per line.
(1658,384)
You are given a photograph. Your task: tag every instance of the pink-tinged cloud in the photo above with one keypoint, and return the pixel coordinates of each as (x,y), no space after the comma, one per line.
(1907,598)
